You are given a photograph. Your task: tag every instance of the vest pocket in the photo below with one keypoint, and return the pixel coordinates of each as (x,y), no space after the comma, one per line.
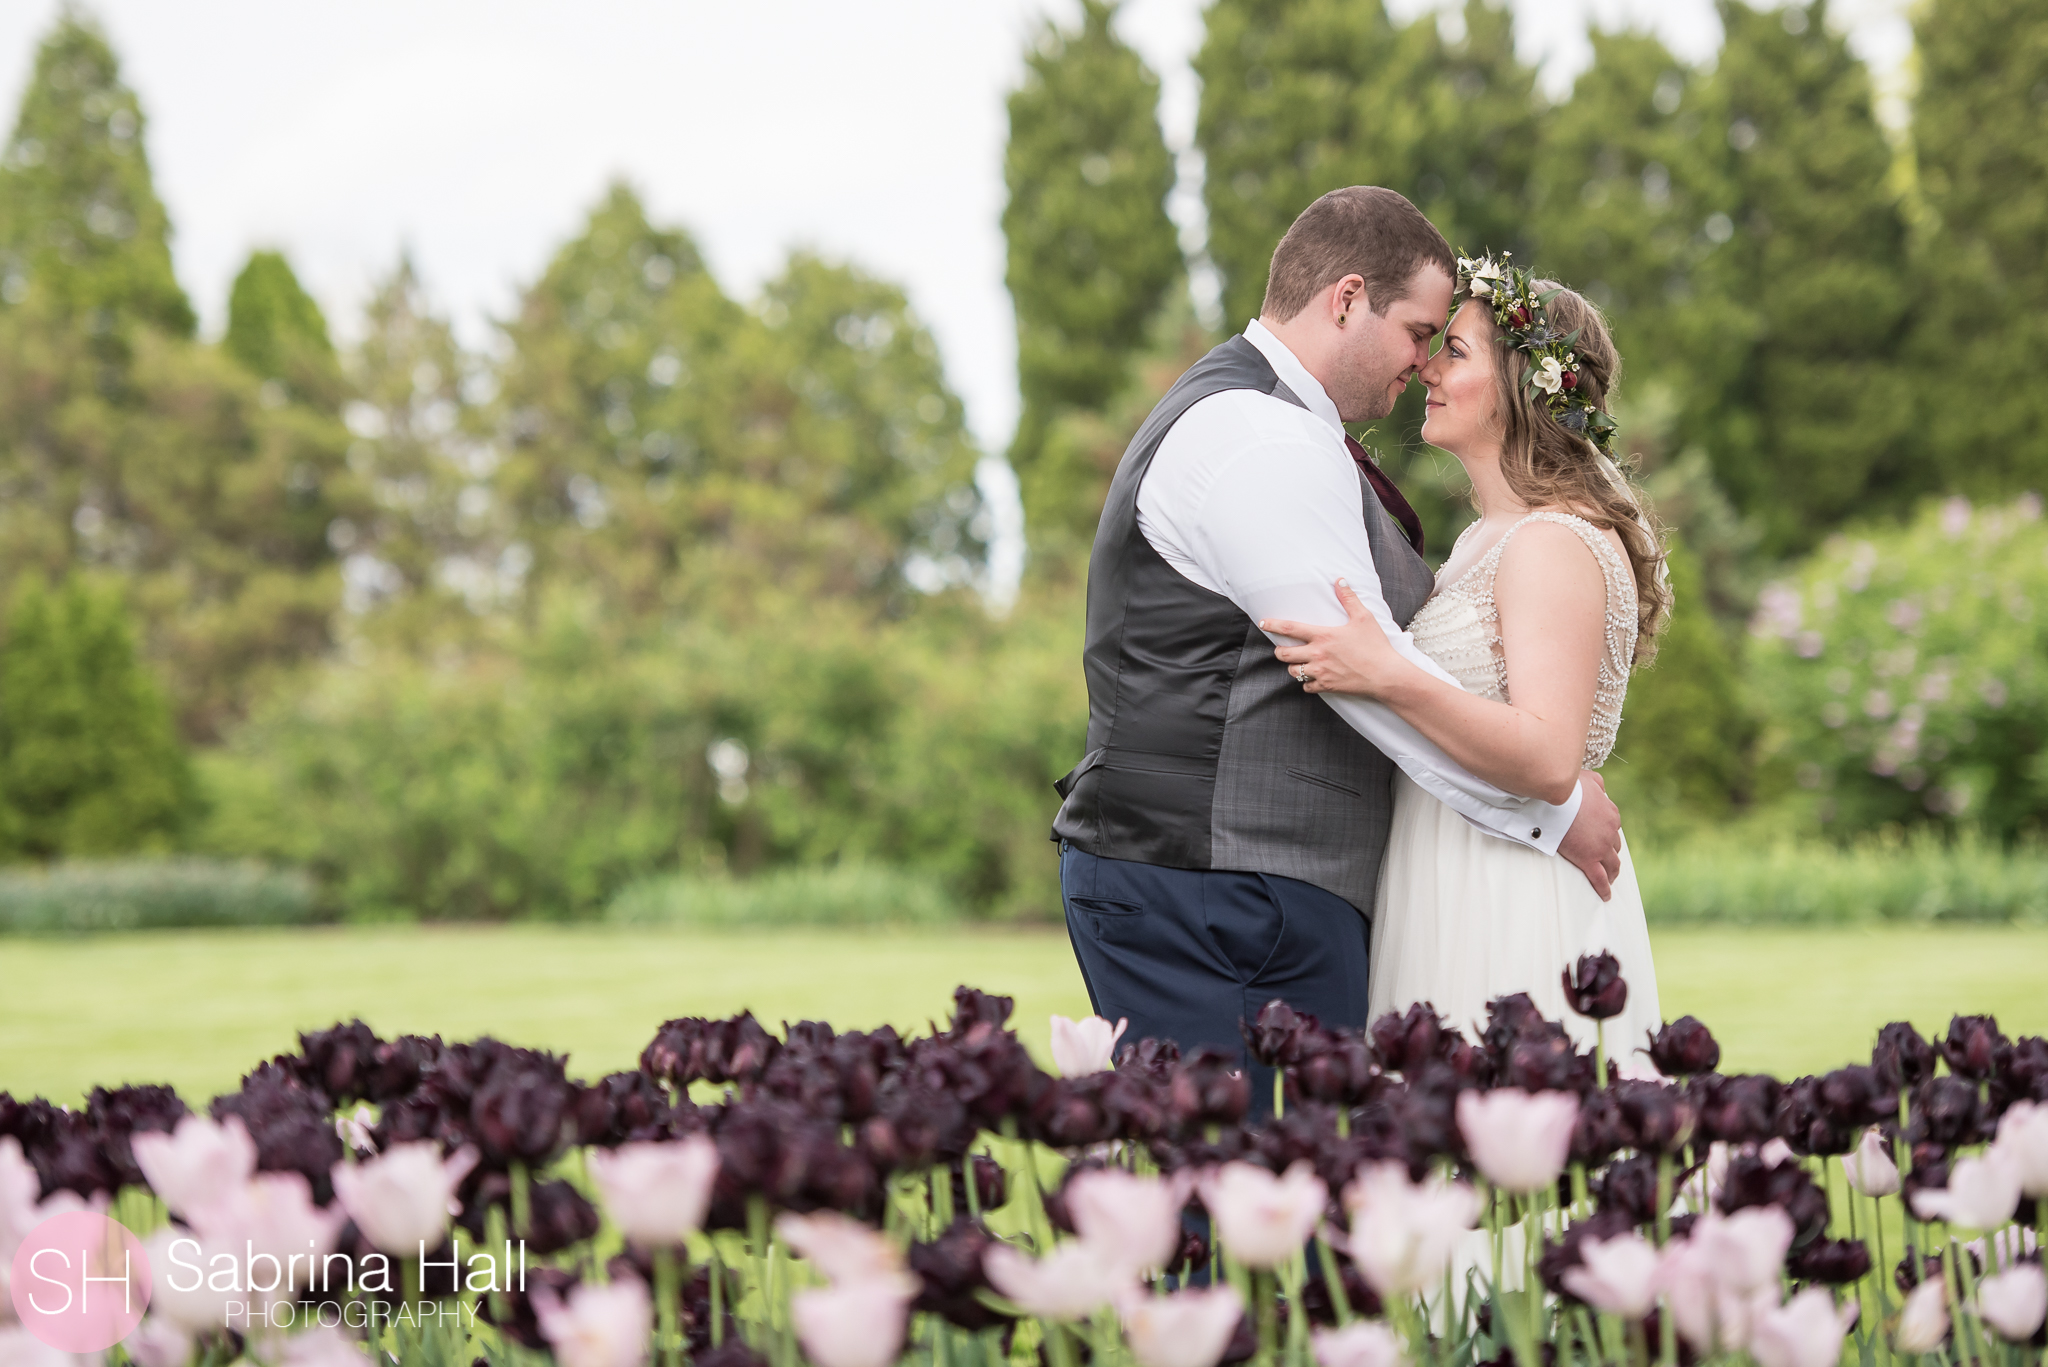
(1330,783)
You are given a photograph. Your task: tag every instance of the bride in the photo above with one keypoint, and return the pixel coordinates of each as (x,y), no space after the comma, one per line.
(1546,603)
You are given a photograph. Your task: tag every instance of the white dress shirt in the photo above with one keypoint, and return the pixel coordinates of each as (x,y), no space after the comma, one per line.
(1260,501)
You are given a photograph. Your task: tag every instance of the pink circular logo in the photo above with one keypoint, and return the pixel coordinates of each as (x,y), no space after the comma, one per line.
(81,1282)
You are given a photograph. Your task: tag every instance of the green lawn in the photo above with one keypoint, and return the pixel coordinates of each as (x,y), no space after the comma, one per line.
(197,1008)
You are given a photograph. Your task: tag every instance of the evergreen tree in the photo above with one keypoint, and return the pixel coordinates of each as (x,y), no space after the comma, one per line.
(1796,319)
(1983,170)
(277,331)
(89,760)
(1301,97)
(1624,183)
(675,451)
(80,221)
(429,554)
(1092,253)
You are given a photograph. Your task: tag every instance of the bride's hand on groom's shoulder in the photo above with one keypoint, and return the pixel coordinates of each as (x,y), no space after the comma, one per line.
(1353,658)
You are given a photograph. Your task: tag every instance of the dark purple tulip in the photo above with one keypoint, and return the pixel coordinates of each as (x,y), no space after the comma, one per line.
(949,1272)
(1600,1132)
(1595,988)
(290,1123)
(1512,1019)
(1209,1088)
(1902,1058)
(1140,1109)
(400,1066)
(338,1060)
(524,1109)
(1806,1124)
(972,1008)
(1856,1096)
(118,1115)
(1545,1062)
(1750,1181)
(2026,1072)
(1945,1110)
(1426,1114)
(1281,1035)
(1974,1048)
(1405,1042)
(1926,1170)
(1685,1047)
(1153,1059)
(560,1218)
(1836,1262)
(1472,1064)
(1629,1188)
(1657,1117)
(1742,1109)
(1915,1268)
(67,1155)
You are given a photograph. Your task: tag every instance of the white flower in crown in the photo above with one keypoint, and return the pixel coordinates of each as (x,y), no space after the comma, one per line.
(1485,273)
(1550,375)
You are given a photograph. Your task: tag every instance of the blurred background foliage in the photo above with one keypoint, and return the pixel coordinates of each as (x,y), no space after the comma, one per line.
(674,606)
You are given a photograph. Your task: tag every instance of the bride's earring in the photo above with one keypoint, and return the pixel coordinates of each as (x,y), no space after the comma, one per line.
(1341,317)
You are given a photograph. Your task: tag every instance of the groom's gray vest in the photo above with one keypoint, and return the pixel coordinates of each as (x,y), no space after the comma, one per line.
(1203,753)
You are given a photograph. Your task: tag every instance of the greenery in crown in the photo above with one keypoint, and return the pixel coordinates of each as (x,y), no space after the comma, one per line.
(1522,312)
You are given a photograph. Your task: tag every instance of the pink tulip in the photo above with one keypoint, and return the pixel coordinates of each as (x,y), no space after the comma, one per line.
(602,1326)
(1776,1153)
(856,1323)
(1189,1329)
(273,1213)
(2023,1136)
(19,1187)
(1983,1192)
(1365,1343)
(2003,1248)
(200,1308)
(1746,1249)
(399,1199)
(656,1194)
(20,1348)
(1264,1220)
(1923,1322)
(1135,1220)
(1403,1233)
(1520,1140)
(839,1246)
(1085,1046)
(2015,1302)
(1720,1279)
(156,1342)
(1806,1331)
(1070,1283)
(1618,1276)
(1869,1166)
(198,1164)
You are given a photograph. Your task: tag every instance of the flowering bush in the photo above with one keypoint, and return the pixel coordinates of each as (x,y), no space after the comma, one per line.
(1417,1195)
(1905,670)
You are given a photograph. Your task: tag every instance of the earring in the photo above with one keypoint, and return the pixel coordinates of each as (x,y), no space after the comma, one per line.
(1341,317)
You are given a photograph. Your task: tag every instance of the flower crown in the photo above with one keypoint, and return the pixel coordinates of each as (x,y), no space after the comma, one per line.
(1522,313)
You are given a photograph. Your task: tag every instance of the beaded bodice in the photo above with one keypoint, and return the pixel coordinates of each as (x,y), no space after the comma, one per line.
(1459,628)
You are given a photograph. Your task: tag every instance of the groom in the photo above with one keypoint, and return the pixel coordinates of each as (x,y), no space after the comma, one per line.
(1221,839)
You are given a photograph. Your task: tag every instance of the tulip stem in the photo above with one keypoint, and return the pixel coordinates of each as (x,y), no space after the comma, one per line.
(665,1304)
(522,1201)
(1600,1053)
(1960,1256)
(1279,1093)
(1884,1271)
(1269,1316)
(717,1270)
(1057,1345)
(1333,1277)
(1663,1199)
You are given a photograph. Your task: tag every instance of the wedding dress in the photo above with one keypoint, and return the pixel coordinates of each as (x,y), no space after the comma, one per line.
(1463,917)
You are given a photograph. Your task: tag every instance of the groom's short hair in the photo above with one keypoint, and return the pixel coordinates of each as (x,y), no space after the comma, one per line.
(1361,230)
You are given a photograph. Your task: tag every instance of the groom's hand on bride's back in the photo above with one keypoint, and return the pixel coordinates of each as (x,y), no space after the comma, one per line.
(1593,844)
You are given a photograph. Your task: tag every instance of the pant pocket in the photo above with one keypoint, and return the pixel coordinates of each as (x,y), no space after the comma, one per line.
(1110,922)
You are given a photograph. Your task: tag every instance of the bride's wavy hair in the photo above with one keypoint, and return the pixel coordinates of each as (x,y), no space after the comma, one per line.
(1548,466)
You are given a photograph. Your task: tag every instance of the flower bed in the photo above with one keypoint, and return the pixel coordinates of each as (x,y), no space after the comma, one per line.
(860,1198)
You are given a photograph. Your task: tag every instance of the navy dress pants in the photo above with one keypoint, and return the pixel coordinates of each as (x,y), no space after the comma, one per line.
(1186,954)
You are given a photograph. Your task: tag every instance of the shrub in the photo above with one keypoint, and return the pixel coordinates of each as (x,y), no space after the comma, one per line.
(144,894)
(849,895)
(1916,878)
(1905,672)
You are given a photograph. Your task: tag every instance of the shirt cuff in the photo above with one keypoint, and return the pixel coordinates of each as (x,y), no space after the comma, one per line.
(1539,825)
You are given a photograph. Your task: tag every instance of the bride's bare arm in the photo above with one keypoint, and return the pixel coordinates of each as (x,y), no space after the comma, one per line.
(1553,609)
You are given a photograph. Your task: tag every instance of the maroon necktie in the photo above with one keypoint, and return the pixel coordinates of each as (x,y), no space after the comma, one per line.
(1390,497)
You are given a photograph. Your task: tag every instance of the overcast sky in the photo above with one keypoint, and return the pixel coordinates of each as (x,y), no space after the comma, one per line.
(477,133)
